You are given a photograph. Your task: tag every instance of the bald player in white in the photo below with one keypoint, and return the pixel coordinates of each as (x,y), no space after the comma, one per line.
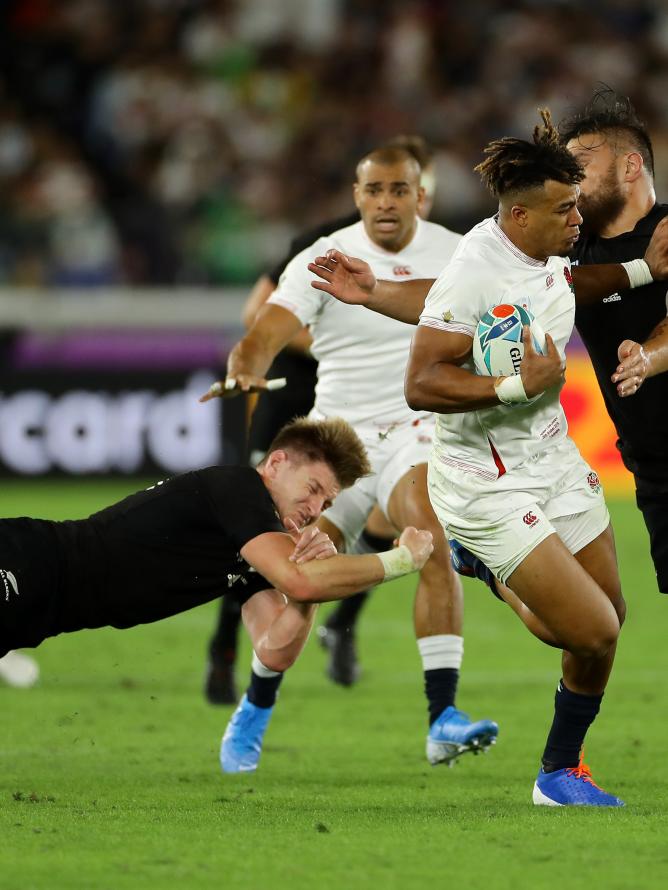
(362,360)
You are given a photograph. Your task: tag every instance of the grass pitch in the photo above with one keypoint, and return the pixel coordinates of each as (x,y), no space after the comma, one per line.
(109,775)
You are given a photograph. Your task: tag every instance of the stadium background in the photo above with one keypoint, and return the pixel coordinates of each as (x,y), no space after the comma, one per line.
(155,157)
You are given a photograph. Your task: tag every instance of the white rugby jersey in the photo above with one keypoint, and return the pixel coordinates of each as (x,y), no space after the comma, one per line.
(488,269)
(362,355)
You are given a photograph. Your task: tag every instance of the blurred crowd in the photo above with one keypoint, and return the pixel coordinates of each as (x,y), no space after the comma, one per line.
(186,141)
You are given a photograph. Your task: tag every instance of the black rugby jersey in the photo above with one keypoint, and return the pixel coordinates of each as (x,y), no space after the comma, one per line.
(154,554)
(641,420)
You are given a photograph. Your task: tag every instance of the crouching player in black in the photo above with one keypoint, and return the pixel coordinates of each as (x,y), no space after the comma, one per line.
(195,537)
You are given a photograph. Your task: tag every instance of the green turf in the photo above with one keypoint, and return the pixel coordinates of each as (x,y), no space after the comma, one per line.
(109,775)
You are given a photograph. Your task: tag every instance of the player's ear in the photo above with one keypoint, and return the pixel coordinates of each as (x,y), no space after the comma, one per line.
(357,194)
(422,194)
(274,462)
(519,215)
(634,166)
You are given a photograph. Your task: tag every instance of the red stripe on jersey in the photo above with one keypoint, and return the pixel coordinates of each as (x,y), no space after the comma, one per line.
(497,459)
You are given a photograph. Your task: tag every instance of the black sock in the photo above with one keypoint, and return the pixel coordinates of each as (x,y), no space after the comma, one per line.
(223,645)
(573,715)
(344,616)
(440,687)
(263,691)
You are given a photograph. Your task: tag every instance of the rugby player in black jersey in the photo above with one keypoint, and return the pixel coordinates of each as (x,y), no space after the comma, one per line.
(196,537)
(626,331)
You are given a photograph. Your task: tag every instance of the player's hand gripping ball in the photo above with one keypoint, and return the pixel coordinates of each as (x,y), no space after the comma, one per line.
(497,345)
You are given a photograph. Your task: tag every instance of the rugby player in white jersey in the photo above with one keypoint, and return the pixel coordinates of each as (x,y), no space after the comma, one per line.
(504,478)
(362,360)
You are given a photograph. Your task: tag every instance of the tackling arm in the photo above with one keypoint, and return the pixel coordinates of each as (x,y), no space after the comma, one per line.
(338,577)
(596,281)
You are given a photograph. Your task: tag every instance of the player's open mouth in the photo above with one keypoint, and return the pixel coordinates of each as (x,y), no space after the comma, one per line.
(386,223)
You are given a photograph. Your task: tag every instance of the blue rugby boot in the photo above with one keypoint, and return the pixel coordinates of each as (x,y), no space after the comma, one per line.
(468,565)
(453,734)
(242,743)
(572,787)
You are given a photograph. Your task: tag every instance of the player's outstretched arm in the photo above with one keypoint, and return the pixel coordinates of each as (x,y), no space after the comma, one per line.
(250,359)
(351,281)
(324,580)
(637,361)
(591,283)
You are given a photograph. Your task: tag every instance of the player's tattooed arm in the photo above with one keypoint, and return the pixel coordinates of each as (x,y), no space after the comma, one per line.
(351,281)
(637,361)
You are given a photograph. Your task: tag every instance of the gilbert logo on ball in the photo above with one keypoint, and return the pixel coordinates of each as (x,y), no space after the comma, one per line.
(497,345)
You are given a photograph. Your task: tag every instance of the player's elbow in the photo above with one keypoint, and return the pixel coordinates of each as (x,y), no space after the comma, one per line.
(300,587)
(415,394)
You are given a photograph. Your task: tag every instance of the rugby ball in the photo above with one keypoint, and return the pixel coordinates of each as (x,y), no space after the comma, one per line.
(497,345)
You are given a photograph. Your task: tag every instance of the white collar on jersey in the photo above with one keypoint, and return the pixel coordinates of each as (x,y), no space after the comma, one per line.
(513,248)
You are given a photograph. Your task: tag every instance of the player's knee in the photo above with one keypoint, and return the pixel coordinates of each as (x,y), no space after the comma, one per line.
(597,642)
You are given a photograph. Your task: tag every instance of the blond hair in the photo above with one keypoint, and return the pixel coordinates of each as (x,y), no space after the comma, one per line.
(333,441)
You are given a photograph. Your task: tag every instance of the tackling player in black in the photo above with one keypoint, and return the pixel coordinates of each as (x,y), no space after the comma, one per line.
(196,537)
(626,332)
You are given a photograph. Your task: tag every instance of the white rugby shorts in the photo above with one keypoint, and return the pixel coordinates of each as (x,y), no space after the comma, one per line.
(393,450)
(502,521)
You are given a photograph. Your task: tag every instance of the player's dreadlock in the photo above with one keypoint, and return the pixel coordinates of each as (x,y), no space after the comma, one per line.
(514,165)
(611,115)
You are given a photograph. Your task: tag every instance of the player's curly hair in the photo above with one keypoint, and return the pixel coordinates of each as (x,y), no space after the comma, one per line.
(515,165)
(333,441)
(610,115)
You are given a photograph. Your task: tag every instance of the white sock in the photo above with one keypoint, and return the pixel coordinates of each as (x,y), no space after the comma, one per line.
(441,651)
(260,670)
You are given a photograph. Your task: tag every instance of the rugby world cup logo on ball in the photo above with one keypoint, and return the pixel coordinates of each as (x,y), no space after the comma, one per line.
(498,348)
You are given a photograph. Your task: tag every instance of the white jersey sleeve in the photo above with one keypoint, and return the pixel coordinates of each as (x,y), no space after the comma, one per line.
(459,297)
(294,291)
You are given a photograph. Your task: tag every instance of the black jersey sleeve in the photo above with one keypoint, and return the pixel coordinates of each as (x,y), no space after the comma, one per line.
(241,503)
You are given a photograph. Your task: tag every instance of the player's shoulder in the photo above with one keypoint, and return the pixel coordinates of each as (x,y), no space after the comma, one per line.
(479,255)
(437,234)
(308,238)
(226,475)
(350,239)
(657,213)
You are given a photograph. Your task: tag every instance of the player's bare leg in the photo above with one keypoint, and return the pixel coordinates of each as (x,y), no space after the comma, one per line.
(579,599)
(469,565)
(438,619)
(278,629)
(533,624)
